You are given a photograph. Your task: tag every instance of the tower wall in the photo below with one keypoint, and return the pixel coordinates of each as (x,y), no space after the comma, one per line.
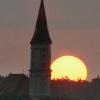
(40,72)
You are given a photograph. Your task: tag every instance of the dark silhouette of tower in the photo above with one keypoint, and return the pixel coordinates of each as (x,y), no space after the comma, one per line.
(40,72)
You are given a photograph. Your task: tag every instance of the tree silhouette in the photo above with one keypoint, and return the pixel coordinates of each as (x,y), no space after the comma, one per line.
(9,97)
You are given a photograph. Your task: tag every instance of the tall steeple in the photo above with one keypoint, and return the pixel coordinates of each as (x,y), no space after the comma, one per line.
(41,34)
(40,72)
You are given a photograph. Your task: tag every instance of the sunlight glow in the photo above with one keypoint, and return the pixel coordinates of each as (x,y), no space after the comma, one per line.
(69,67)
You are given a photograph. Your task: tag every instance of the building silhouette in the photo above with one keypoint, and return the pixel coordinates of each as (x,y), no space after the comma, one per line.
(40,73)
(18,84)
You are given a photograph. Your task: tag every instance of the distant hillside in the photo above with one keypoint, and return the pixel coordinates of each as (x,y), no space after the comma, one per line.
(19,84)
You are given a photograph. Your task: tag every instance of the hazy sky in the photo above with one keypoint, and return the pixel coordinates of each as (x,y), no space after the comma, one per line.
(74,27)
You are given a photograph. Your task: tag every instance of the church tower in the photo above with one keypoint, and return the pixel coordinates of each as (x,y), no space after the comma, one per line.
(40,72)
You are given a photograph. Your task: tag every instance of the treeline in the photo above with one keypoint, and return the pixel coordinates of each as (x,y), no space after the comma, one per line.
(7,96)
(66,98)
(16,97)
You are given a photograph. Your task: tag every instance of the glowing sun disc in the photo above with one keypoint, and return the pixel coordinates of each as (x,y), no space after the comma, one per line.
(69,66)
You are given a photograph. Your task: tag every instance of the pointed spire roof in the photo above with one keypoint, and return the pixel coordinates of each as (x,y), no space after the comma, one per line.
(41,34)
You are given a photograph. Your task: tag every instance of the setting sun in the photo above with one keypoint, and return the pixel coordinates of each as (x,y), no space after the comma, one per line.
(69,67)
